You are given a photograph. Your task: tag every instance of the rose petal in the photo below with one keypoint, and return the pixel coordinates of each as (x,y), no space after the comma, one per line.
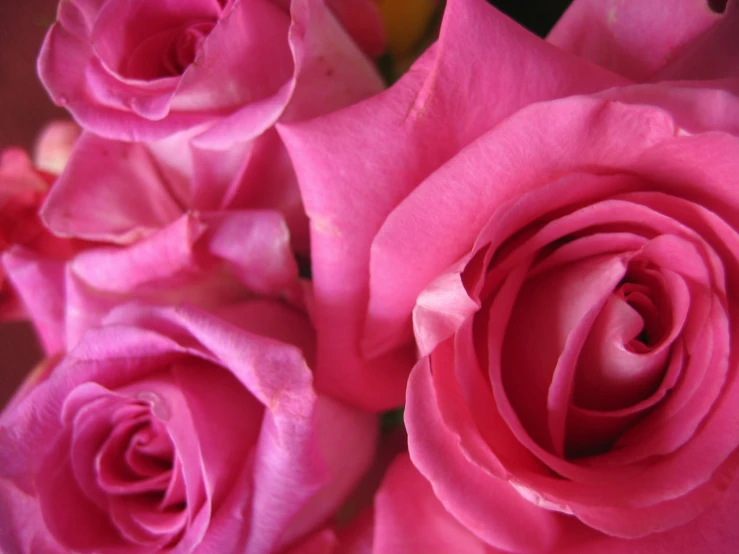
(127,198)
(630,38)
(510,522)
(409,517)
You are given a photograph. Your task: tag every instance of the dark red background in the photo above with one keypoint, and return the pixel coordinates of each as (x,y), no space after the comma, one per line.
(24,107)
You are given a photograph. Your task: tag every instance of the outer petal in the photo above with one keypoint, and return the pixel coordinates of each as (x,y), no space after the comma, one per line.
(485,504)
(207,261)
(710,55)
(330,73)
(713,532)
(40,284)
(631,37)
(409,517)
(18,511)
(348,438)
(408,132)
(696,106)
(110,191)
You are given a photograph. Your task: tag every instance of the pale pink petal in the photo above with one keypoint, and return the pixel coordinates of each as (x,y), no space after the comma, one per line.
(632,38)
(54,145)
(697,106)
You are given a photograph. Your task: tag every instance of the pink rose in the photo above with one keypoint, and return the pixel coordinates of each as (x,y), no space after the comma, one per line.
(170,221)
(172,430)
(562,246)
(142,71)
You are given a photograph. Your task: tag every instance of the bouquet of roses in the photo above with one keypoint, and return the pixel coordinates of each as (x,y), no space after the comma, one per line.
(288,310)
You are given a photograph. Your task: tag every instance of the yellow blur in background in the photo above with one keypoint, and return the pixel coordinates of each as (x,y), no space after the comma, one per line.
(406,24)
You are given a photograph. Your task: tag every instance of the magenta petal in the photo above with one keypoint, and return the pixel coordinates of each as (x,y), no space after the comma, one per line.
(440,310)
(289,466)
(606,364)
(217,403)
(255,31)
(706,57)
(113,473)
(161,523)
(67,67)
(323,542)
(23,530)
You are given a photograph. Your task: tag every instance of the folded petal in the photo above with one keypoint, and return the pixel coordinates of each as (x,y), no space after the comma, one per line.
(633,38)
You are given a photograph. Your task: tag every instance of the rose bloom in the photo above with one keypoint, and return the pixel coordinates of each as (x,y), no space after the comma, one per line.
(169,222)
(147,70)
(169,429)
(560,245)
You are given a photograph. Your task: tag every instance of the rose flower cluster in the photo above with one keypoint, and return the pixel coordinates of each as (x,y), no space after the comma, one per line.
(287,309)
